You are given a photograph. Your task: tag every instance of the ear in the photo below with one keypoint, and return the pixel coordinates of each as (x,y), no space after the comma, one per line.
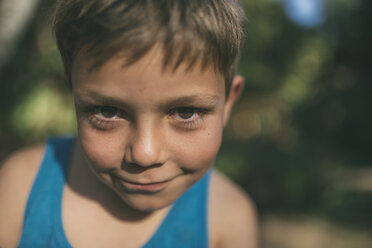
(236,90)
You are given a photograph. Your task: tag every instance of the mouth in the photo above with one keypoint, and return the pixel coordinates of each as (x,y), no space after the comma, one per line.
(135,187)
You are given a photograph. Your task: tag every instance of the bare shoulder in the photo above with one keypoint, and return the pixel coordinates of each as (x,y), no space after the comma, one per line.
(16,177)
(233,218)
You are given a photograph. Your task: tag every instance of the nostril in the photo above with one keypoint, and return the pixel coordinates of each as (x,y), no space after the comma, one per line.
(135,168)
(145,148)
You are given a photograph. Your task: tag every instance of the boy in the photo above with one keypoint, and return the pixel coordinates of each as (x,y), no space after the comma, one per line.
(153,84)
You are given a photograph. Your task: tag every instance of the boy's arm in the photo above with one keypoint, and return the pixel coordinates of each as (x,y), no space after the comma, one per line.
(16,177)
(233,218)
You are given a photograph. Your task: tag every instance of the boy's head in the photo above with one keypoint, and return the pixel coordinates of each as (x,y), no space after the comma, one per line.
(205,31)
(150,80)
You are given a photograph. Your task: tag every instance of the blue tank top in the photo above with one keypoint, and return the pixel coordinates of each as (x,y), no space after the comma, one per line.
(185,225)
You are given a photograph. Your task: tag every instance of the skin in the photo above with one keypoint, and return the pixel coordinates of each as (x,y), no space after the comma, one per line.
(145,135)
(145,138)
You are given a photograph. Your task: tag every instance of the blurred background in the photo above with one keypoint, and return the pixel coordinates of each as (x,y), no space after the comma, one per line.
(299,141)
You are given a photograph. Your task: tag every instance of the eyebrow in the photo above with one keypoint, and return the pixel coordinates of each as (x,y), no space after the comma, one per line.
(199,99)
(90,96)
(194,99)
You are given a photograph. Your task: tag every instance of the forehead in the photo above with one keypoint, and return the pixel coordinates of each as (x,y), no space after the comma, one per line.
(169,59)
(145,78)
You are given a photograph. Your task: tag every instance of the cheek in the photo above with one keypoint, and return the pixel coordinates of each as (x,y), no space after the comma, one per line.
(198,150)
(103,149)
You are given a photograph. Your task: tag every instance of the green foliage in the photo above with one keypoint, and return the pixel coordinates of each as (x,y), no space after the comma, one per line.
(44,111)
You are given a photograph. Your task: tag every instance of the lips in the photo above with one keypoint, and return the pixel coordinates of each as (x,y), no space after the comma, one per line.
(141,187)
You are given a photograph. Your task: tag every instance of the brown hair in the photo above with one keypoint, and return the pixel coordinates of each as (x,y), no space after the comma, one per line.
(209,31)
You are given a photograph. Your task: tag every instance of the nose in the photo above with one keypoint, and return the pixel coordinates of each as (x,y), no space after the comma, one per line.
(146,146)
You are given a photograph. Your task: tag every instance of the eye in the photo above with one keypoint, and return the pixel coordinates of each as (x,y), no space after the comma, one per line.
(188,118)
(107,112)
(185,113)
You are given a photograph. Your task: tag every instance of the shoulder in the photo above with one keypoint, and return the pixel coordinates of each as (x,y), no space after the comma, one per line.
(233,218)
(16,177)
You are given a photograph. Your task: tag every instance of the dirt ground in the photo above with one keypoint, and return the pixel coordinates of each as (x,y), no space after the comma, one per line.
(310,232)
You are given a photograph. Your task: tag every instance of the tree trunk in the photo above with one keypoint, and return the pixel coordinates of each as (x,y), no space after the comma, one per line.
(14,17)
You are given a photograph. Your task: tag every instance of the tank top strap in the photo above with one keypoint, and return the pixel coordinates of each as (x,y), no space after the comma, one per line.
(42,219)
(186,224)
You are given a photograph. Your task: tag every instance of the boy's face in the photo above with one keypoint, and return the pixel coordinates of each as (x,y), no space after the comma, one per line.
(149,133)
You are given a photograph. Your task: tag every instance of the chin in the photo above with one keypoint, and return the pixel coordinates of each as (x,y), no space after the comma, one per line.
(146,203)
